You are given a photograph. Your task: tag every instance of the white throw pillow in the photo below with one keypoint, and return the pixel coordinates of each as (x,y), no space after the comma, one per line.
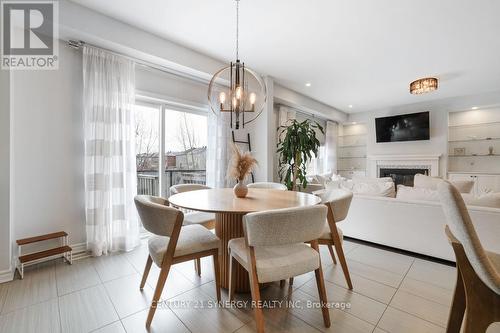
(375,189)
(423,181)
(415,193)
(463,186)
(486,200)
(362,179)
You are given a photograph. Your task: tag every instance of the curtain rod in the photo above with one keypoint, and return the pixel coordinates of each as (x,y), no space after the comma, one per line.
(77,45)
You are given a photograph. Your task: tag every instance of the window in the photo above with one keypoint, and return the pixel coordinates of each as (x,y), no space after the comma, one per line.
(147,148)
(185,149)
(183,139)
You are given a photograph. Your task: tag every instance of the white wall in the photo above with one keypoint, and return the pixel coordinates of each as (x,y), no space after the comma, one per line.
(5,222)
(47,149)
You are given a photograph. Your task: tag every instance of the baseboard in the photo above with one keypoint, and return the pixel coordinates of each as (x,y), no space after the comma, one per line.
(6,275)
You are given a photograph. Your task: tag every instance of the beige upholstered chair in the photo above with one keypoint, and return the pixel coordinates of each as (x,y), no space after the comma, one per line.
(477,291)
(338,203)
(190,217)
(268,185)
(170,244)
(273,249)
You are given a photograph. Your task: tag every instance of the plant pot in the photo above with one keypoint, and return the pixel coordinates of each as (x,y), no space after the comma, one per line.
(240,189)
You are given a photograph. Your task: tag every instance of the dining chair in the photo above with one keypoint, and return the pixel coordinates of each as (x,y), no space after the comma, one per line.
(268,185)
(171,243)
(191,217)
(477,290)
(273,248)
(338,202)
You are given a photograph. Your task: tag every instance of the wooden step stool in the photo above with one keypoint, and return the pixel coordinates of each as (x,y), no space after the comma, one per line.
(64,249)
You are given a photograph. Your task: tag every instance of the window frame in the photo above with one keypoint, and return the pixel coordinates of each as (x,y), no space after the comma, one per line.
(164,104)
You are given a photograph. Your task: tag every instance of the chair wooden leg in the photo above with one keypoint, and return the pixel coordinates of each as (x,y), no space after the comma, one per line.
(321,289)
(156,297)
(146,272)
(217,274)
(232,277)
(457,306)
(282,283)
(259,316)
(343,263)
(197,266)
(290,281)
(332,254)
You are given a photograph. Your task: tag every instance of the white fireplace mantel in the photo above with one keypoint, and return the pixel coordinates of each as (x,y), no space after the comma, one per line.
(429,162)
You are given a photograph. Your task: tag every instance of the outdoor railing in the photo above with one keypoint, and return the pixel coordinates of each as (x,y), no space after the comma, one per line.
(148,184)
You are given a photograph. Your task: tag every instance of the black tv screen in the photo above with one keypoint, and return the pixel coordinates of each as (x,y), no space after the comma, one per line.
(405,127)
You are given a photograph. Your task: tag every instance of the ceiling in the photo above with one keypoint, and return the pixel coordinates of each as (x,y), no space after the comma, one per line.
(362,53)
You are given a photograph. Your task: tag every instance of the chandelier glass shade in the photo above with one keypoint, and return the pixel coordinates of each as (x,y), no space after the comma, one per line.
(237,90)
(422,86)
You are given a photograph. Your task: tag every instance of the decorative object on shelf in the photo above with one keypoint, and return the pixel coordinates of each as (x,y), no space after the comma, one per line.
(296,146)
(237,89)
(424,85)
(240,166)
(459,151)
(490,150)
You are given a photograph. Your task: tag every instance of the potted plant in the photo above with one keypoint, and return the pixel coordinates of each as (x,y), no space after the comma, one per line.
(240,166)
(296,146)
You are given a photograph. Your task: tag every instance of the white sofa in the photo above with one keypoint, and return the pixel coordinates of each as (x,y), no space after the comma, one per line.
(416,226)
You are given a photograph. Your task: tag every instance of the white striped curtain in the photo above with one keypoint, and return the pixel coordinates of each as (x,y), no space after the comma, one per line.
(330,158)
(110,171)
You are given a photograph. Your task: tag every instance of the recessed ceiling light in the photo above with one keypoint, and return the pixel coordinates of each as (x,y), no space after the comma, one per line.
(350,106)
(308,84)
(474,108)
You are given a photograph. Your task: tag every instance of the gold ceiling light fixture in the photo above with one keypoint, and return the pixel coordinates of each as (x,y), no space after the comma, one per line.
(422,86)
(237,90)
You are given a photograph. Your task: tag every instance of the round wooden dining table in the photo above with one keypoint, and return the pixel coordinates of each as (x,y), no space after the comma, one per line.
(229,211)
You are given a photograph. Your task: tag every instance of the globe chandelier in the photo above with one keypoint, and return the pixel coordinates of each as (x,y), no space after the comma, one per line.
(237,90)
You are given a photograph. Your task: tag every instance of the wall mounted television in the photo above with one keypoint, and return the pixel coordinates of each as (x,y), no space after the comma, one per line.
(404,127)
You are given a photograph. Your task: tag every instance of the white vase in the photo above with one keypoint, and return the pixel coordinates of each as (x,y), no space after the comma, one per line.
(240,189)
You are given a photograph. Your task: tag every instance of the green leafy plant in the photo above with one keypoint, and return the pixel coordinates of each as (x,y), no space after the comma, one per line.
(296,146)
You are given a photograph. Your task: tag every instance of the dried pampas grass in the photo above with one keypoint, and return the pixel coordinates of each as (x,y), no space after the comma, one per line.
(241,164)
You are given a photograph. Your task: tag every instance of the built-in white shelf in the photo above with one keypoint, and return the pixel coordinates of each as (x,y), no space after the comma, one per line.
(476,155)
(474,140)
(352,150)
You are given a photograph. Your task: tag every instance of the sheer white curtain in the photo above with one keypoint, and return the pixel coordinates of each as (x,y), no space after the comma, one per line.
(217,150)
(330,151)
(110,171)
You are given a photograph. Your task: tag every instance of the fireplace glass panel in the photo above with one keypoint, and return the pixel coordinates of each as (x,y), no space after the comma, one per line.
(402,176)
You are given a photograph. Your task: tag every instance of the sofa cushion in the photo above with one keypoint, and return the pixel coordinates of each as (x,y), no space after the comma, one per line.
(486,200)
(423,181)
(376,189)
(463,186)
(415,193)
(362,179)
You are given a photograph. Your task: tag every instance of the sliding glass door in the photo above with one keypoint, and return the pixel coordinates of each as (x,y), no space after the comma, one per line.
(171,148)
(147,148)
(185,149)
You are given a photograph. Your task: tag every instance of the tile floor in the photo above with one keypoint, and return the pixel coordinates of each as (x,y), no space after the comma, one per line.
(392,293)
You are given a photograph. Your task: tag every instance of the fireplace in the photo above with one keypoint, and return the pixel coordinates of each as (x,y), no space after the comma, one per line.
(403,176)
